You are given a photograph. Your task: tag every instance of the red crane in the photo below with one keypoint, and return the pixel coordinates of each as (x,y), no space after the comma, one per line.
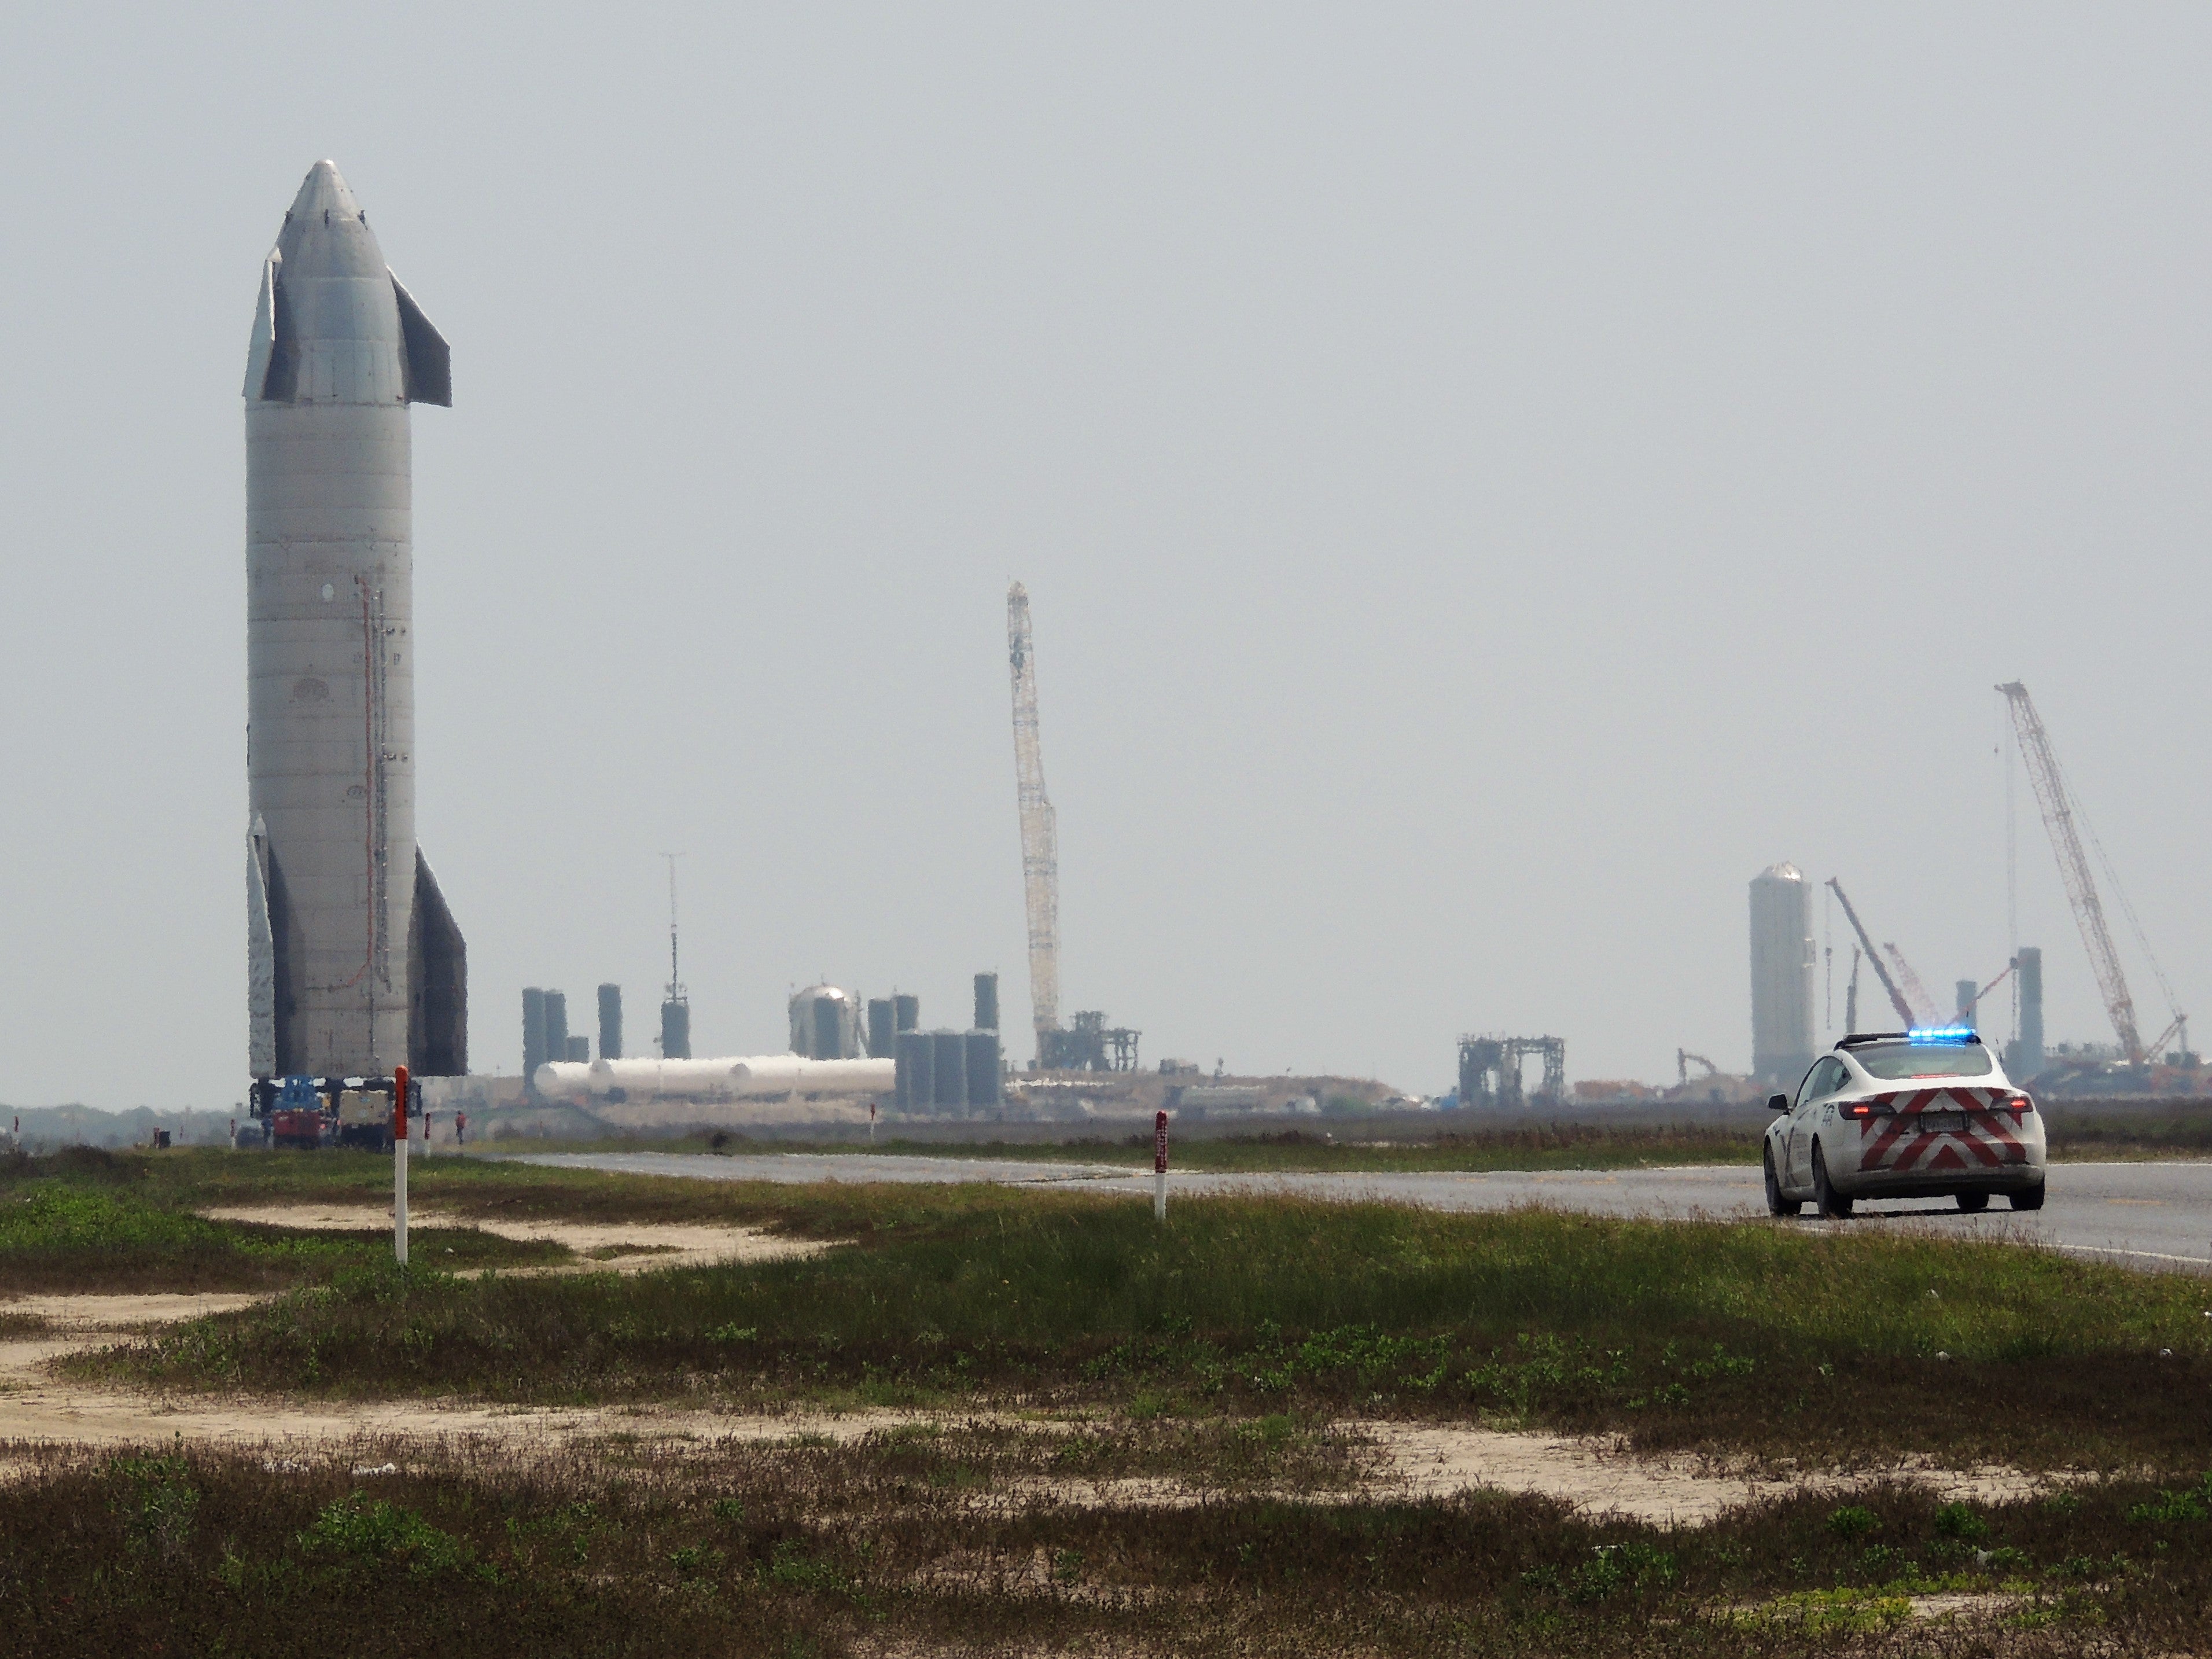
(1896,996)
(2059,815)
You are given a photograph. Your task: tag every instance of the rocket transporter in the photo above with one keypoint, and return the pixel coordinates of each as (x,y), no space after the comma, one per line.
(354,965)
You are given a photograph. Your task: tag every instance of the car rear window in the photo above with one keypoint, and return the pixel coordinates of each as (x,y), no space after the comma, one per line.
(1892,1062)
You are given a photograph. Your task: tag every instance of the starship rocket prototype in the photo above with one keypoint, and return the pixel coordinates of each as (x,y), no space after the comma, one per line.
(355,965)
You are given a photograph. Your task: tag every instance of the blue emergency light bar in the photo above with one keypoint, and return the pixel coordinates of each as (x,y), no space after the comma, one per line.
(1957,1033)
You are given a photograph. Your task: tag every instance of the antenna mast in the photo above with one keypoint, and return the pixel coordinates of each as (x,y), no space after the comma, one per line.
(675,979)
(1040,834)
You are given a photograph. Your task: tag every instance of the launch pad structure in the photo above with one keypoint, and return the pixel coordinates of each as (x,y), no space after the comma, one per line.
(1490,1071)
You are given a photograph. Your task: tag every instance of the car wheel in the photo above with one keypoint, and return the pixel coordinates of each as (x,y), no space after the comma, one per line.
(2030,1200)
(1971,1202)
(1776,1204)
(1830,1202)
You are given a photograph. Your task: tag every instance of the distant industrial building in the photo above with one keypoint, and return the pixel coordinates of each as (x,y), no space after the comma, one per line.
(1782,961)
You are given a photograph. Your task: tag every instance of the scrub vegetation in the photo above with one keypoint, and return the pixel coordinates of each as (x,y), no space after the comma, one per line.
(1141,1439)
(919,1545)
(1534,1146)
(1833,1344)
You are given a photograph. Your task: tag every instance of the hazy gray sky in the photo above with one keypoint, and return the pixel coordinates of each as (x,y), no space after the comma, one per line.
(1491,480)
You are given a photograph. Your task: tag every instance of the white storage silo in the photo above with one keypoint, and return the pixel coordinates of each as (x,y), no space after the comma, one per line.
(1781,959)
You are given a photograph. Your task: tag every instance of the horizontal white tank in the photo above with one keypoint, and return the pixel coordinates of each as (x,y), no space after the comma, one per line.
(790,1074)
(749,1079)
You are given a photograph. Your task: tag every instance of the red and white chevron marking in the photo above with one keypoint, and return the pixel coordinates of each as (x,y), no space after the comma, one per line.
(1898,1142)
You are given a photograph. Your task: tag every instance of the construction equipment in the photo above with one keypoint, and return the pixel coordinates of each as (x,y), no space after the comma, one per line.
(1924,1009)
(1896,996)
(2060,813)
(1851,993)
(1040,834)
(1966,1014)
(1683,1059)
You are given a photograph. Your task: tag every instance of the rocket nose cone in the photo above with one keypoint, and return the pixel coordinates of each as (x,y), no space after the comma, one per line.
(324,191)
(325,233)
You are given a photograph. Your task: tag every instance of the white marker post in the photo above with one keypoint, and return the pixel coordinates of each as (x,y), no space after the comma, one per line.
(399,1164)
(1159,1166)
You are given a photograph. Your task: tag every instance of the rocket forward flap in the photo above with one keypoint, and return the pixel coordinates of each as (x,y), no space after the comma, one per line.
(272,360)
(426,360)
(438,974)
(263,347)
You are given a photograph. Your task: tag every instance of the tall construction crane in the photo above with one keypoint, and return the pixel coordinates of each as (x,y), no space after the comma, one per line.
(1874,957)
(2059,815)
(1925,1010)
(1040,834)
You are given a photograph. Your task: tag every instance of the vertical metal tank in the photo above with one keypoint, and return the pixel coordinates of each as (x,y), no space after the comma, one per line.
(1963,991)
(915,1072)
(906,1012)
(1783,1034)
(533,1030)
(611,1043)
(579,1049)
(948,1062)
(2024,1055)
(987,1002)
(983,1068)
(676,1029)
(556,1025)
(882,1039)
(825,1023)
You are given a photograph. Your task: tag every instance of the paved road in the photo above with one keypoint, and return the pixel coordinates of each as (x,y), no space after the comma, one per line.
(2154,1216)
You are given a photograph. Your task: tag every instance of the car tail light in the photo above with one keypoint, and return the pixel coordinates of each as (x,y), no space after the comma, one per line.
(1867,1108)
(2020,1105)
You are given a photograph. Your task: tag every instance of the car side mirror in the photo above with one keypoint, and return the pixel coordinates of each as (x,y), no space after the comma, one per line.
(1778,1103)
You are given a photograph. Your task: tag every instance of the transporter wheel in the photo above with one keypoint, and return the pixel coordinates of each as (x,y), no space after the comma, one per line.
(1776,1204)
(1830,1203)
(1973,1202)
(2030,1200)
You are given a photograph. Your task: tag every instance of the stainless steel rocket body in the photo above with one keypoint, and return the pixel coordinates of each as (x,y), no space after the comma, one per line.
(334,880)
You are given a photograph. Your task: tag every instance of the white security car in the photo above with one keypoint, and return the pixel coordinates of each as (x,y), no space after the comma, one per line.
(1905,1114)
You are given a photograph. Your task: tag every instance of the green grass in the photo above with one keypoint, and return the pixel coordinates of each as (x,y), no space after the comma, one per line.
(1780,1340)
(900,1544)
(1540,1147)
(95,1221)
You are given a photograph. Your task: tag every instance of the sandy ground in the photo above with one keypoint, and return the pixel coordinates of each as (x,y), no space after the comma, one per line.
(1434,1460)
(1416,1460)
(653,1244)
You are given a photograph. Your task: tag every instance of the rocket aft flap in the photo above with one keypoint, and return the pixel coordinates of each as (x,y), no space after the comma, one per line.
(354,965)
